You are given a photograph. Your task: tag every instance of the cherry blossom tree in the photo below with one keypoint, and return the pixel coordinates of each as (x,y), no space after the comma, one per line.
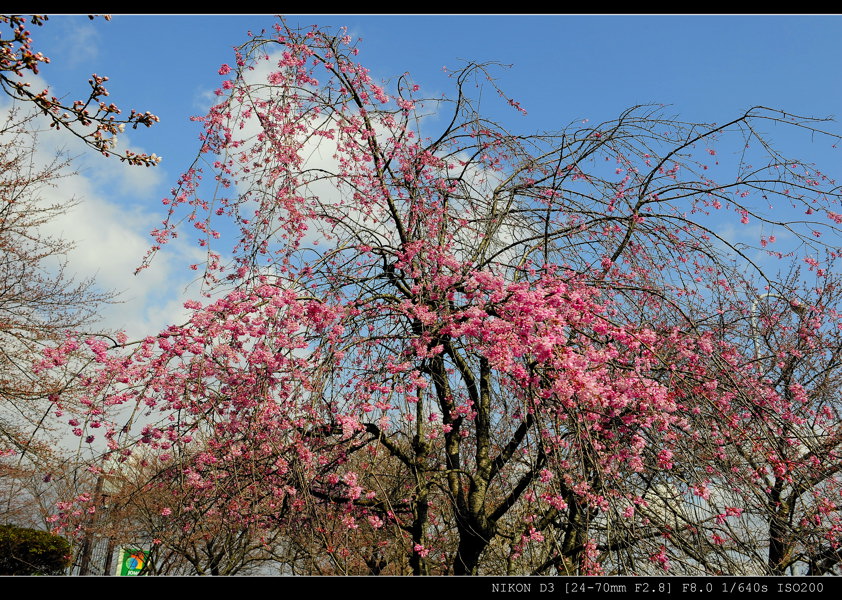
(457,350)
(778,465)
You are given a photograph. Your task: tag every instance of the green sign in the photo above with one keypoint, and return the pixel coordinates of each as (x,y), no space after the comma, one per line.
(132,561)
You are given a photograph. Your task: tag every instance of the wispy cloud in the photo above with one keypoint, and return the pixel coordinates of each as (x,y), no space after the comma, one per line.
(79,41)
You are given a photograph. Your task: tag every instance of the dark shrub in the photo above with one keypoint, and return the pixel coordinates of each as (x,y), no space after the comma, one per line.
(25,551)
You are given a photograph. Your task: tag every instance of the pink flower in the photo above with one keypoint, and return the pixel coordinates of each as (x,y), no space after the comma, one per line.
(375,521)
(536,535)
(166,512)
(350,522)
(661,558)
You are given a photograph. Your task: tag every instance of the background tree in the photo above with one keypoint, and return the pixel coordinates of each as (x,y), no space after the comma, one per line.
(519,353)
(189,529)
(40,303)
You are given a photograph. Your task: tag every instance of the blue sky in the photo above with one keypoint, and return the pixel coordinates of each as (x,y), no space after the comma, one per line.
(564,68)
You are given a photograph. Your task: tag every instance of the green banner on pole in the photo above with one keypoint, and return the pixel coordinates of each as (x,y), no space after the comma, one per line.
(132,561)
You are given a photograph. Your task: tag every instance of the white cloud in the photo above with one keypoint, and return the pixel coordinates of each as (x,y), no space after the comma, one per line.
(110,243)
(108,221)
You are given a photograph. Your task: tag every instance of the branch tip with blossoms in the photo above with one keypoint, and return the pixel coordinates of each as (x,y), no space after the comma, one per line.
(91,120)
